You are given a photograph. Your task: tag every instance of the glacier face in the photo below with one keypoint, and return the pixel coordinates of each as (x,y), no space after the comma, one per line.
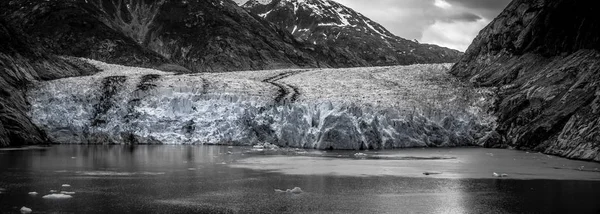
(358,108)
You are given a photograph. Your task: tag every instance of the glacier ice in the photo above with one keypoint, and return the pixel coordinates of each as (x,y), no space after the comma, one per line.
(364,108)
(295,190)
(25,210)
(57,196)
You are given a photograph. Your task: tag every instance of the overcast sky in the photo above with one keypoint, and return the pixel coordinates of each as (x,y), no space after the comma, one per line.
(448,23)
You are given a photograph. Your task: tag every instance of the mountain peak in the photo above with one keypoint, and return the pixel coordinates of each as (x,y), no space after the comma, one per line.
(328,23)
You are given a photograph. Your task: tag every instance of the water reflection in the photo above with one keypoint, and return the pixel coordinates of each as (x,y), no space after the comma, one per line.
(200,179)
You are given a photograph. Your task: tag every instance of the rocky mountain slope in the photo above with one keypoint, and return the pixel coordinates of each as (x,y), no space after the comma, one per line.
(21,64)
(208,35)
(544,56)
(334,28)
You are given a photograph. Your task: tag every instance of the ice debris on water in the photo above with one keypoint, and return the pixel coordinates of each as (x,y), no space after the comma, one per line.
(66,185)
(265,146)
(32,193)
(53,191)
(67,193)
(57,196)
(500,175)
(360,154)
(295,190)
(25,210)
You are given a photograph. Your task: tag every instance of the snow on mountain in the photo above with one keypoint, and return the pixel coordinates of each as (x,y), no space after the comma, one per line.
(331,24)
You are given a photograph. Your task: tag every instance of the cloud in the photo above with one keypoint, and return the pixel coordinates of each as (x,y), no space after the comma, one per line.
(449,23)
(463,17)
(442,4)
(455,35)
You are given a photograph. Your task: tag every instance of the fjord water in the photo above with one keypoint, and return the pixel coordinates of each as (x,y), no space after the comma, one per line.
(207,179)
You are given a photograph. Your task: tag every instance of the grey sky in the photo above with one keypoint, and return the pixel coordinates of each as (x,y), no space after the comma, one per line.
(448,23)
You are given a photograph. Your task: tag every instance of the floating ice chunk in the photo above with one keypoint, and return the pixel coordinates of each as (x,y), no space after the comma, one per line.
(73,157)
(191,169)
(25,210)
(33,193)
(490,154)
(67,193)
(57,196)
(66,185)
(360,154)
(228,152)
(500,175)
(230,147)
(295,190)
(53,191)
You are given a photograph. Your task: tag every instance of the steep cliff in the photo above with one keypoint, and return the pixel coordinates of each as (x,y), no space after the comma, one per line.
(21,64)
(544,57)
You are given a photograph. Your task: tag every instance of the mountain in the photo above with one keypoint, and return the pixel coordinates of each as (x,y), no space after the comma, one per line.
(208,35)
(336,28)
(544,56)
(20,65)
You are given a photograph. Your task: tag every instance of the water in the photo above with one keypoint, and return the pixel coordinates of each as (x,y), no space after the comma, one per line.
(206,179)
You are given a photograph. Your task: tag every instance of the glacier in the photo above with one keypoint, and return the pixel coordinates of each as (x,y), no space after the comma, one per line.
(353,108)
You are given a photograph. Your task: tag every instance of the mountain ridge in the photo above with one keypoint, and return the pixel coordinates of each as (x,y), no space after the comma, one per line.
(331,24)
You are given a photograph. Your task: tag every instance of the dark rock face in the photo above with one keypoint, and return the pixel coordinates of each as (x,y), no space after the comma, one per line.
(20,64)
(77,29)
(544,56)
(342,37)
(208,35)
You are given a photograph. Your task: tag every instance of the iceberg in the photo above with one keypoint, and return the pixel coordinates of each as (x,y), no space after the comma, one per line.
(57,196)
(25,210)
(295,190)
